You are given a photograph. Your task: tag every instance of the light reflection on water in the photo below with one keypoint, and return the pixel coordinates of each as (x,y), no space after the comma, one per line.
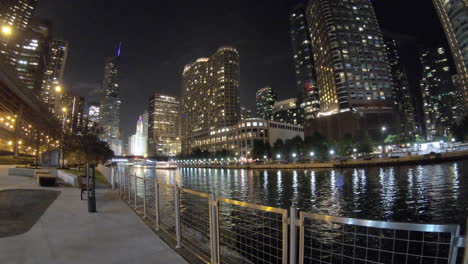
(427,193)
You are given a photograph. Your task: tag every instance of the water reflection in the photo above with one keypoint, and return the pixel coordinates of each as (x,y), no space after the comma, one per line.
(428,193)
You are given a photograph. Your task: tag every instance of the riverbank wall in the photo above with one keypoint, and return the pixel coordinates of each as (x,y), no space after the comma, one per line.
(351,163)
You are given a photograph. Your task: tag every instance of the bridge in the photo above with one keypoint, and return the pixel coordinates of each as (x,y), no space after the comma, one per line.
(26,125)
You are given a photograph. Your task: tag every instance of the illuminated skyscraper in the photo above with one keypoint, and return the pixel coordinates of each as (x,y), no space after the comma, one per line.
(303,61)
(353,75)
(288,111)
(163,125)
(17,13)
(26,53)
(25,46)
(265,100)
(454,17)
(52,90)
(403,101)
(439,94)
(110,103)
(210,95)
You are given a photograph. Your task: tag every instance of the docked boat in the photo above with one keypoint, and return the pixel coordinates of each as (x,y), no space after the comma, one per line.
(166,165)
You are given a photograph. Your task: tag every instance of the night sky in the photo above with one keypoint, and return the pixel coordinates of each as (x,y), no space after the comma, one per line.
(160,37)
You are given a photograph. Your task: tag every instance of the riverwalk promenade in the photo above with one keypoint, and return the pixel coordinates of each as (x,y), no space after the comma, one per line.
(67,233)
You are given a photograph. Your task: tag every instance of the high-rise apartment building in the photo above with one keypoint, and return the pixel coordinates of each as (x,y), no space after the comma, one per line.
(403,102)
(52,90)
(288,111)
(210,95)
(110,103)
(163,125)
(17,13)
(454,17)
(265,100)
(306,81)
(439,94)
(352,71)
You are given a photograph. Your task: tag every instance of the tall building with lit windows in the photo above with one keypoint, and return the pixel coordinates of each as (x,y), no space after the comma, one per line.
(17,13)
(51,92)
(265,100)
(454,17)
(403,102)
(288,111)
(353,74)
(163,125)
(306,81)
(440,96)
(110,103)
(23,42)
(210,95)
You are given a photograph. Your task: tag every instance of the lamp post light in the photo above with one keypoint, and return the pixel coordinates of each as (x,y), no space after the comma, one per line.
(332,153)
(7,31)
(278,156)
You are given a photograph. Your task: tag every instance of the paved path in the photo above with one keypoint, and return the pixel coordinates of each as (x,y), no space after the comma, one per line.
(67,233)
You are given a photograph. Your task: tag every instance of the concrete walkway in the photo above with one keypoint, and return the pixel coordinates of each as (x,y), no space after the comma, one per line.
(67,233)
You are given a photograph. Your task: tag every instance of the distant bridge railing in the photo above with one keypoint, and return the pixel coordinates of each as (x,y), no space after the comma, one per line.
(219,230)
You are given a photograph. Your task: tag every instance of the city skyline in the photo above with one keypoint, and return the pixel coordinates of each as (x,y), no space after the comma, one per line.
(267,38)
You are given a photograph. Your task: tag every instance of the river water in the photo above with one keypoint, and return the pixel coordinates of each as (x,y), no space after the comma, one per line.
(436,193)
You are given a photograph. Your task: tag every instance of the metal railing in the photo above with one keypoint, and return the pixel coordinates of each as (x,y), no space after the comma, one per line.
(219,230)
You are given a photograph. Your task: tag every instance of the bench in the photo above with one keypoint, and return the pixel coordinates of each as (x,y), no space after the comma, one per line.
(46,179)
(82,182)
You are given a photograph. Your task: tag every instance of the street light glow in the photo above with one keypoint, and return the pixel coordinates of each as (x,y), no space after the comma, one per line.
(294,155)
(332,152)
(312,154)
(278,156)
(58,88)
(384,128)
(64,109)
(6,30)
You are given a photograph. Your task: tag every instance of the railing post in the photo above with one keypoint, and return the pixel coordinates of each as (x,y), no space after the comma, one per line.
(129,189)
(136,181)
(144,198)
(156,203)
(213,214)
(177,214)
(293,236)
(465,257)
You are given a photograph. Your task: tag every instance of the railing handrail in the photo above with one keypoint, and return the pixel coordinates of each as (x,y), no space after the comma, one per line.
(288,239)
(422,227)
(201,194)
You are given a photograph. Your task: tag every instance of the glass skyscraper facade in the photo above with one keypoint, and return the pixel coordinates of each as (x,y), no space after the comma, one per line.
(303,61)
(350,62)
(164,125)
(454,17)
(403,102)
(110,103)
(53,75)
(440,97)
(265,100)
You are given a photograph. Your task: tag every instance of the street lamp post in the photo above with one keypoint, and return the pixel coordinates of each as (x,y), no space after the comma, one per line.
(64,111)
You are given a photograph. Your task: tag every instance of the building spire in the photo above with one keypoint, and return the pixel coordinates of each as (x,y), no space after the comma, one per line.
(118,50)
